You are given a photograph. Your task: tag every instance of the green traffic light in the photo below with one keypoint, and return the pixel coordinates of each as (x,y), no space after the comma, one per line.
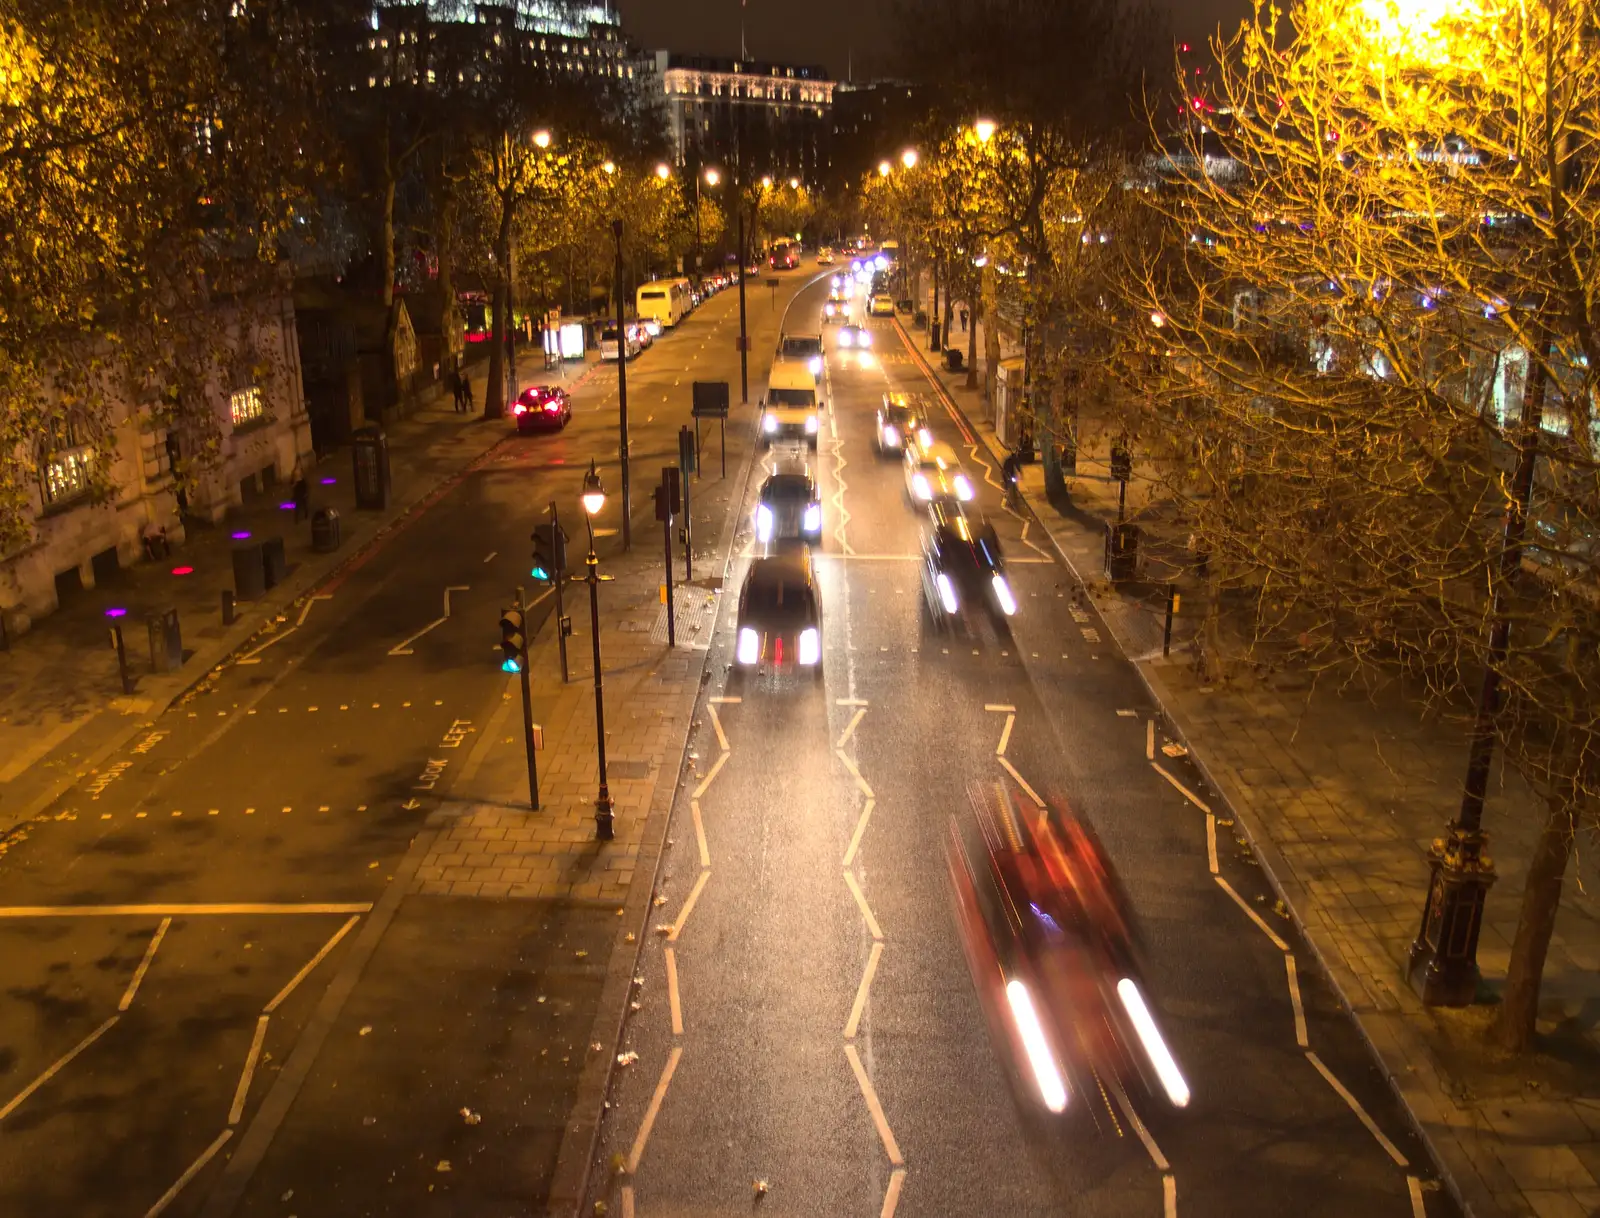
(510,665)
(539,573)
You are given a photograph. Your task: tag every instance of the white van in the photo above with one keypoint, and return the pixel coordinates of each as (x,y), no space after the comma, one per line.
(791,408)
(667,301)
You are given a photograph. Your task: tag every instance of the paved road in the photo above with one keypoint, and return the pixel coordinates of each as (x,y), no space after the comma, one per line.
(206,887)
(808,1025)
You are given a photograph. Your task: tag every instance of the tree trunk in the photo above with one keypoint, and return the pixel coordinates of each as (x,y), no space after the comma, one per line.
(494,389)
(1541,897)
(973,313)
(449,310)
(386,224)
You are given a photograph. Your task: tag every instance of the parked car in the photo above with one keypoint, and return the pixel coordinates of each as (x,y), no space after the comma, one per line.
(608,343)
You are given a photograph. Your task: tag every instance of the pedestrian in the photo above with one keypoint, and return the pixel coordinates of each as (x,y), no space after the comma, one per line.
(466,393)
(302,492)
(452,382)
(963,319)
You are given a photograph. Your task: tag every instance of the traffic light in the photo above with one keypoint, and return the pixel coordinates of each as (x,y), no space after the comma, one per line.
(513,641)
(549,553)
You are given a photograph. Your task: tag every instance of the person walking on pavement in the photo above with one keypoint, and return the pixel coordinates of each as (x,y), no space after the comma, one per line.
(452,382)
(466,393)
(302,492)
(963,319)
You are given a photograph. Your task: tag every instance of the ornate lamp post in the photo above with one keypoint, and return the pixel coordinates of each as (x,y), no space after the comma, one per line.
(594,498)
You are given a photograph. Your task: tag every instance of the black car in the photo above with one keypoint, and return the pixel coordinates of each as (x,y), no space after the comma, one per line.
(963,569)
(780,616)
(789,507)
(542,408)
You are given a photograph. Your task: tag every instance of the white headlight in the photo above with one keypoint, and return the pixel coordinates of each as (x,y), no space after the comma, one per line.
(815,365)
(1002,593)
(925,438)
(846,338)
(866,339)
(810,649)
(963,487)
(763,523)
(947,593)
(811,425)
(891,437)
(1052,1087)
(812,521)
(1160,1056)
(769,423)
(749,646)
(920,487)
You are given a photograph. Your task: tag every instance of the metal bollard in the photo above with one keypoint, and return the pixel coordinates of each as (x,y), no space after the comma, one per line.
(229,613)
(1172,608)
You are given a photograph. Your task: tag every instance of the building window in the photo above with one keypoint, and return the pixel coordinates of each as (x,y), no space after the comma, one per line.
(245,406)
(66,475)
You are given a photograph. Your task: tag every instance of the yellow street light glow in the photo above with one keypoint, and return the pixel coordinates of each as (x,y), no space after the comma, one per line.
(984,129)
(712,177)
(908,158)
(663,171)
(610,167)
(794,183)
(1423,33)
(766,182)
(883,169)
(541,138)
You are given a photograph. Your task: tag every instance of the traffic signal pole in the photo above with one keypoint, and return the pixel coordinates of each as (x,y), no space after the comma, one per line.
(560,574)
(527,707)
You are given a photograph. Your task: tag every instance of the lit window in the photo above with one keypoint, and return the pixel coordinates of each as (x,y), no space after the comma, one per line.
(245,406)
(66,475)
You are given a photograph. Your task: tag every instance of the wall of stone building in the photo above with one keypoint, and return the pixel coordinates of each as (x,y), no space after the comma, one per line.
(68,538)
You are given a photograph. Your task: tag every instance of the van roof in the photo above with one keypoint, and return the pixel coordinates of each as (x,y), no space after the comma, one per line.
(792,374)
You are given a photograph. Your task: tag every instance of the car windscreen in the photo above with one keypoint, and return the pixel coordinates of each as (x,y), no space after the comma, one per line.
(787,488)
(793,347)
(792,397)
(608,336)
(905,417)
(652,295)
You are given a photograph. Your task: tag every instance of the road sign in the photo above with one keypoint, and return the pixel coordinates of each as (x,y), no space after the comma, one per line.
(710,400)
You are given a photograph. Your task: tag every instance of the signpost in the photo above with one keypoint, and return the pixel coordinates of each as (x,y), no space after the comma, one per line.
(711,402)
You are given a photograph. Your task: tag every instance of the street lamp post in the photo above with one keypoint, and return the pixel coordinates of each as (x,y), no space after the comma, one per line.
(744,330)
(622,390)
(594,498)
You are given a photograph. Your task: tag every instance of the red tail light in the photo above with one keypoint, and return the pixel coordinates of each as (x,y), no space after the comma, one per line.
(777,652)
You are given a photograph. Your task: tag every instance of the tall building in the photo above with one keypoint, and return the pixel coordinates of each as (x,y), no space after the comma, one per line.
(773,116)
(455,42)
(871,123)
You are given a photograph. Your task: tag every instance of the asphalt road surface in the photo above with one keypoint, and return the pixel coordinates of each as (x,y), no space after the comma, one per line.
(169,929)
(809,1040)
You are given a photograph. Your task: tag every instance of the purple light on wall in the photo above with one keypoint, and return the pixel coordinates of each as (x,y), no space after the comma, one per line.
(286,507)
(329,481)
(243,535)
(116,612)
(183,570)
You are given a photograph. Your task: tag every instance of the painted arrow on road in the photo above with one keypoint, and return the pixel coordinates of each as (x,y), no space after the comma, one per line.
(403,648)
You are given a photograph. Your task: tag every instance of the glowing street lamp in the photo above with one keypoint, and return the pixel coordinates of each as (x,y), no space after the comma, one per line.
(884,168)
(541,138)
(610,167)
(663,171)
(984,129)
(593,499)
(712,177)
(794,183)
(766,181)
(908,158)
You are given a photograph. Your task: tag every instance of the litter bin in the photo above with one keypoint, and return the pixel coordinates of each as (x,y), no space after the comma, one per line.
(325,530)
(952,359)
(166,641)
(1122,551)
(249,572)
(935,332)
(274,566)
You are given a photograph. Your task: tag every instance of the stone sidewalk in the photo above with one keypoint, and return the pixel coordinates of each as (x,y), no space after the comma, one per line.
(1341,794)
(62,707)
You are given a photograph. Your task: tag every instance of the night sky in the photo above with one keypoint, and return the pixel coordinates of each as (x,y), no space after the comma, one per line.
(834,33)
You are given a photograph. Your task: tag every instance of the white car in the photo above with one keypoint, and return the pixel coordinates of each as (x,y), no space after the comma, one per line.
(881,306)
(933,471)
(608,343)
(825,256)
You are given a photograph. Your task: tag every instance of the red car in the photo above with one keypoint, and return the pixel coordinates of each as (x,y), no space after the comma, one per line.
(542,408)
